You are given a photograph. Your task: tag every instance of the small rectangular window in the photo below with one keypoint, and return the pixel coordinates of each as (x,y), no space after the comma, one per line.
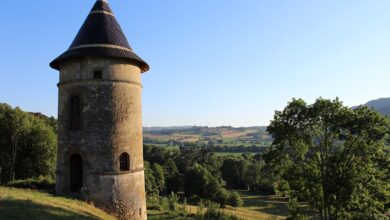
(97,74)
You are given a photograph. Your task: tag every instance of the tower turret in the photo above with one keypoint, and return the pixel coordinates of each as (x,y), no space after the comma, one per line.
(100,149)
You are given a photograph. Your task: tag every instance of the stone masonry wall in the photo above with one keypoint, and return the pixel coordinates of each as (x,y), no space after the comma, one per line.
(111,123)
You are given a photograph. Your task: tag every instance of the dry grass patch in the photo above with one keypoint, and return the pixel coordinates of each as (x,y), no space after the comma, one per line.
(28,204)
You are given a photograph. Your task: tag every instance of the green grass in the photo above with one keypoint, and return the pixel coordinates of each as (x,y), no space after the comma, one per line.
(33,205)
(161,215)
(260,207)
(255,207)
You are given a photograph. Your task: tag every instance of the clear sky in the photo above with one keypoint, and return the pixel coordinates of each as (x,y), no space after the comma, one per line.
(213,62)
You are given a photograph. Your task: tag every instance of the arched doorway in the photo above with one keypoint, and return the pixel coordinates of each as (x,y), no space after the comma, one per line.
(76,173)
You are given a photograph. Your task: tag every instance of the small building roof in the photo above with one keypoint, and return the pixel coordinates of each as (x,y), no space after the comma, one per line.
(101,36)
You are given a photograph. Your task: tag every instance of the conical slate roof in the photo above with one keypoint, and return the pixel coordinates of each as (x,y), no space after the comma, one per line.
(101,36)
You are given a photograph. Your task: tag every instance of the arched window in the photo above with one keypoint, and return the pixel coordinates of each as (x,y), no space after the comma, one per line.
(75,113)
(124,162)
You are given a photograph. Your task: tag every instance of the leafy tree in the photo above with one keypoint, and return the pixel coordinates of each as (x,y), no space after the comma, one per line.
(216,193)
(196,181)
(27,145)
(158,173)
(233,171)
(173,178)
(199,183)
(332,156)
(150,182)
(37,151)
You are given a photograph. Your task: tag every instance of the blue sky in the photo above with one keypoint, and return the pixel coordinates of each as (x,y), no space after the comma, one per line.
(213,62)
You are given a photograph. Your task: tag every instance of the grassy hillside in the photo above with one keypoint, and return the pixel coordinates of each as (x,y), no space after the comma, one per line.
(27,204)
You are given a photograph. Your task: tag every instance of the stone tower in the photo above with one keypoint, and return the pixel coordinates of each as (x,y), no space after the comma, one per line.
(100,155)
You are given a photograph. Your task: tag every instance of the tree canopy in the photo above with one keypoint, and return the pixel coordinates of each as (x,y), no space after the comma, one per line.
(333,157)
(27,144)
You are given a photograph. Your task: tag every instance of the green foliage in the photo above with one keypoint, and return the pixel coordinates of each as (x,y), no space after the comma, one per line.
(217,193)
(159,176)
(27,145)
(248,172)
(233,170)
(153,202)
(173,201)
(196,181)
(174,179)
(150,181)
(213,211)
(235,200)
(333,157)
(168,204)
(39,183)
(294,210)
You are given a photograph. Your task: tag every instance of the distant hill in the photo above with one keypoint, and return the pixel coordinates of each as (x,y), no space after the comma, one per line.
(382,105)
(222,136)
(166,128)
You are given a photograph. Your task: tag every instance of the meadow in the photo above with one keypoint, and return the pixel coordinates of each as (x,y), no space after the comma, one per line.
(255,207)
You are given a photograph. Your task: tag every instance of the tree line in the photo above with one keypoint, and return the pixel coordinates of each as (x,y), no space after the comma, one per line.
(201,174)
(28,144)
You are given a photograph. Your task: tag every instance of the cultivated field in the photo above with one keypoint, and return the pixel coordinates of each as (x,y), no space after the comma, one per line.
(208,136)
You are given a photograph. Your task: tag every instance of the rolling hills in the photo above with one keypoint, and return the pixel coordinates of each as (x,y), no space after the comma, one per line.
(382,105)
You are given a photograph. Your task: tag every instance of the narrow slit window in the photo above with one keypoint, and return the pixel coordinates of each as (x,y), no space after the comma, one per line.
(98,74)
(124,162)
(75,113)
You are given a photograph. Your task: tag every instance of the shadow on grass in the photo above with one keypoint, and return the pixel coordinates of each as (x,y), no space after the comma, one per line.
(11,209)
(271,204)
(265,204)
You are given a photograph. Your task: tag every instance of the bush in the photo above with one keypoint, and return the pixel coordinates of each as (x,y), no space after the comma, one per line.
(153,202)
(214,212)
(169,204)
(235,200)
(37,183)
(294,211)
(173,202)
(220,196)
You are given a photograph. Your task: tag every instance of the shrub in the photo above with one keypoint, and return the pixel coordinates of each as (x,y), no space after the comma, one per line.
(37,183)
(153,202)
(220,196)
(163,203)
(294,211)
(235,200)
(213,211)
(173,201)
